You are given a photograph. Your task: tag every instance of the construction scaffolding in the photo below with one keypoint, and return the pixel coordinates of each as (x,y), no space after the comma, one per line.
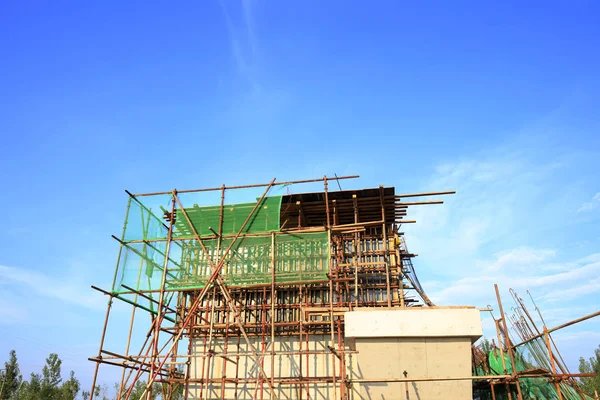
(247,287)
(240,285)
(530,367)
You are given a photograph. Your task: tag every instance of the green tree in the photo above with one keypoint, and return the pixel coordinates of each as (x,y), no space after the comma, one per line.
(177,392)
(47,386)
(70,387)
(591,366)
(10,377)
(31,390)
(51,378)
(101,392)
(140,387)
(486,346)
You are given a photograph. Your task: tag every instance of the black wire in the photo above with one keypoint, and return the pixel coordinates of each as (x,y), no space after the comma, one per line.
(338,181)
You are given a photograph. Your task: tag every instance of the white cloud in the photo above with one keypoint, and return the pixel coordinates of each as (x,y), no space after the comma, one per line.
(495,200)
(590,205)
(63,288)
(573,336)
(11,313)
(505,226)
(521,256)
(244,47)
(250,26)
(522,269)
(571,293)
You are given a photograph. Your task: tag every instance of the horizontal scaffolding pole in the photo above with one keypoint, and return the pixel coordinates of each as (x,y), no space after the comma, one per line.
(428,379)
(325,379)
(426,194)
(246,186)
(597,313)
(419,203)
(118,296)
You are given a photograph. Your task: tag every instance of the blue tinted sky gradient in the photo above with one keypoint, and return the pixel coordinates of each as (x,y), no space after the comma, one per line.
(498,100)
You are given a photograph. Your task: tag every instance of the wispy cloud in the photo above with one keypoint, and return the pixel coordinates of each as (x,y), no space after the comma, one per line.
(509,225)
(488,209)
(522,269)
(247,6)
(521,256)
(574,336)
(255,100)
(62,288)
(590,205)
(243,41)
(11,313)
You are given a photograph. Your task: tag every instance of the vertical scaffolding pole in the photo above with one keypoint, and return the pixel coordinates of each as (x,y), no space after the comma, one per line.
(502,357)
(357,250)
(386,253)
(101,346)
(161,297)
(190,348)
(508,342)
(273,299)
(556,384)
(109,305)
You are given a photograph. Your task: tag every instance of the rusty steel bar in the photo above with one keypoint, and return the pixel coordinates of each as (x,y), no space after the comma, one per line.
(509,347)
(566,324)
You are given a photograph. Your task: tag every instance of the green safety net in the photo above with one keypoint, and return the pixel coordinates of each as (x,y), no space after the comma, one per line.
(299,257)
(142,224)
(264,219)
(531,388)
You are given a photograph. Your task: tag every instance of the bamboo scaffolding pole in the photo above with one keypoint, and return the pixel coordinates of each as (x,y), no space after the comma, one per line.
(509,347)
(357,251)
(289,313)
(109,304)
(217,278)
(313,229)
(273,318)
(426,194)
(189,356)
(386,253)
(101,346)
(214,277)
(247,186)
(128,345)
(329,379)
(504,370)
(556,384)
(210,336)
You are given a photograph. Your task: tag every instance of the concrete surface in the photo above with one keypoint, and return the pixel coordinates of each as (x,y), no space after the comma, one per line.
(426,342)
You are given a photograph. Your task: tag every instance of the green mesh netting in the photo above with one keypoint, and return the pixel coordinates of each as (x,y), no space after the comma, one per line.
(531,388)
(299,257)
(264,219)
(142,224)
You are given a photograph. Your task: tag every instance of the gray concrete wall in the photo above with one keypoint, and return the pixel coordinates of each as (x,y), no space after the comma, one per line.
(426,342)
(430,342)
(285,366)
(381,358)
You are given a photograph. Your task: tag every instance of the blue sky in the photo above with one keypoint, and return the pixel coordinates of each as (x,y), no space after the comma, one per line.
(498,100)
